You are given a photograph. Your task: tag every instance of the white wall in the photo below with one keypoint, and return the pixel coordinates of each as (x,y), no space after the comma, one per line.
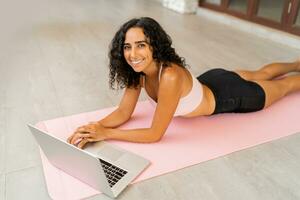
(181,6)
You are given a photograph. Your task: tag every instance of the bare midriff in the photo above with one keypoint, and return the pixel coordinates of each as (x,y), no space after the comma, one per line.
(207,105)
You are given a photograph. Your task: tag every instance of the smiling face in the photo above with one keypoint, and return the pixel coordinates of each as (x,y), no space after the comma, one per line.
(137,51)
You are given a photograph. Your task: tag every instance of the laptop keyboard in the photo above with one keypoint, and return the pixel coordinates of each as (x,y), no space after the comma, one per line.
(112,172)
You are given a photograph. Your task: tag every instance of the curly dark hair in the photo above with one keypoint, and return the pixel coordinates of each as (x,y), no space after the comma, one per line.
(121,73)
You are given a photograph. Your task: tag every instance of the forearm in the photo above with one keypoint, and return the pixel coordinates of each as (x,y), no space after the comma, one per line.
(114,119)
(142,135)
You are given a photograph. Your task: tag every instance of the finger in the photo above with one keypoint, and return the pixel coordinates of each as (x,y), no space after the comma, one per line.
(94,139)
(81,129)
(91,139)
(75,138)
(70,138)
(90,133)
(82,143)
(86,129)
(78,136)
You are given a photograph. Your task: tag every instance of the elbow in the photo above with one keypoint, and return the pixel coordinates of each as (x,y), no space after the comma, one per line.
(156,138)
(125,115)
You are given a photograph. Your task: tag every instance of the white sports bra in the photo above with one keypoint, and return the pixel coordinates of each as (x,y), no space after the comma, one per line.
(188,103)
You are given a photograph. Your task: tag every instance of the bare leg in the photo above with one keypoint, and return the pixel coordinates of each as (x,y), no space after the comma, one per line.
(276,89)
(270,71)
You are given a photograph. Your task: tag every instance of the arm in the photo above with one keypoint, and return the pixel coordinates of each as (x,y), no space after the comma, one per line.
(117,117)
(123,113)
(168,97)
(169,93)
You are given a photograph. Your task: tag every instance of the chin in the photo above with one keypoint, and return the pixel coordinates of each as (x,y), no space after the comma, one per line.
(137,68)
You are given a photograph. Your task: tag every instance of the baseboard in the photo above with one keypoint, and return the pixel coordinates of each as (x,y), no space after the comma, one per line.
(250,27)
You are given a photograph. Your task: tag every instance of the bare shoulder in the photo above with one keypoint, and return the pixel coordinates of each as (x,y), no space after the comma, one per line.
(172,73)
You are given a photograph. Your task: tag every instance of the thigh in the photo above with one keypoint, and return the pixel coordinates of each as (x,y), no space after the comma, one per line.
(274,90)
(252,75)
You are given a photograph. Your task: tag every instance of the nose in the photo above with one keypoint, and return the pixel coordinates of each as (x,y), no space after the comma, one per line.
(132,53)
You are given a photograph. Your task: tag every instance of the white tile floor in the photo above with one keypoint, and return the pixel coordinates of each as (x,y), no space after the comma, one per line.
(25,184)
(56,65)
(2,186)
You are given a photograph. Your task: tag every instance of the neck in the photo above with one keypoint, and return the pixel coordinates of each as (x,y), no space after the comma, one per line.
(152,71)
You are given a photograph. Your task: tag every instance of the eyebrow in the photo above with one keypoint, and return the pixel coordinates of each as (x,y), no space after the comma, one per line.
(137,42)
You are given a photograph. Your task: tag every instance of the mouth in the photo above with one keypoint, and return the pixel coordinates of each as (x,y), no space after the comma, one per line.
(136,62)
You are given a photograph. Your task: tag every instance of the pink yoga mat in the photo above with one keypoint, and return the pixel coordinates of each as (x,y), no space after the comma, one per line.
(186,142)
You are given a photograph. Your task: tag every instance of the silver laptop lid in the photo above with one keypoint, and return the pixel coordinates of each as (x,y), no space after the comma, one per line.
(72,160)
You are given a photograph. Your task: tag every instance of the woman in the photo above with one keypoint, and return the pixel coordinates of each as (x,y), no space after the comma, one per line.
(141,56)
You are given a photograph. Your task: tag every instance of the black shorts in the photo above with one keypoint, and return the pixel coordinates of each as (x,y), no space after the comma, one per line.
(233,93)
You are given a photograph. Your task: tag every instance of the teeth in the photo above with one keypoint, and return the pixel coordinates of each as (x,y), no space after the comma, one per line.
(136,62)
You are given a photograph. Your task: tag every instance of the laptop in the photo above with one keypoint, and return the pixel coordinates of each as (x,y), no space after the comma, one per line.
(103,166)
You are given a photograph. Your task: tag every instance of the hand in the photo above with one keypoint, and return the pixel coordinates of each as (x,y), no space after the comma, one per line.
(92,132)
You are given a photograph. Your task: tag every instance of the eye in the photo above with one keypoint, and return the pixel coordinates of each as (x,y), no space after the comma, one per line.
(126,47)
(141,45)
